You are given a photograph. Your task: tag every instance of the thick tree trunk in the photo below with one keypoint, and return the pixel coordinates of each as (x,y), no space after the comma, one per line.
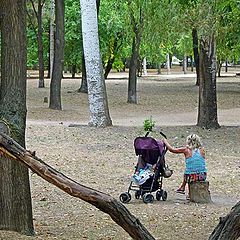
(100,200)
(15,196)
(229,226)
(84,87)
(55,86)
(97,95)
(207,110)
(196,54)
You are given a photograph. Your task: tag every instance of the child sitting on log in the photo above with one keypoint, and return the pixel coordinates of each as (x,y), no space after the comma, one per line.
(195,164)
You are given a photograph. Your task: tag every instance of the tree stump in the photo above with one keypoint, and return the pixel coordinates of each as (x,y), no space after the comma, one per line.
(199,192)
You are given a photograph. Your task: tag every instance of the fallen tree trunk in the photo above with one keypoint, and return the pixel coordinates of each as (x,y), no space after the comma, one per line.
(229,226)
(104,202)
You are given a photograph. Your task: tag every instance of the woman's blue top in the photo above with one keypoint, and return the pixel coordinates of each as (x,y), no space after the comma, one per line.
(196,163)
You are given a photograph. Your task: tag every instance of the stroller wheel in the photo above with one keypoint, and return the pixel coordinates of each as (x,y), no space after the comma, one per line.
(137,194)
(148,198)
(159,194)
(164,195)
(125,197)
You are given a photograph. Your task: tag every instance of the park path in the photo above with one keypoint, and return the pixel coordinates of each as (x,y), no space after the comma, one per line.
(226,117)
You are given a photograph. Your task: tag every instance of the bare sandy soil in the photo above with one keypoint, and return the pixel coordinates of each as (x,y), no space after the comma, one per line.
(104,159)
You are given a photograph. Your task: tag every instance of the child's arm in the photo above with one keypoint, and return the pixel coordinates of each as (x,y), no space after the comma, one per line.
(174,150)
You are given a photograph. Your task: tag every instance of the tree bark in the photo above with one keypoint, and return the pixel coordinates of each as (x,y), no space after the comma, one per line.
(100,200)
(228,227)
(51,36)
(38,14)
(207,110)
(40,45)
(132,82)
(97,95)
(84,87)
(15,196)
(114,47)
(196,54)
(55,85)
(137,25)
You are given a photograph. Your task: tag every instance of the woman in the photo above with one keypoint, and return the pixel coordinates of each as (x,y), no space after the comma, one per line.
(195,169)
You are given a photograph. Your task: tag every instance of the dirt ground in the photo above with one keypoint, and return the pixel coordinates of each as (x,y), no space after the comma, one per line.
(104,159)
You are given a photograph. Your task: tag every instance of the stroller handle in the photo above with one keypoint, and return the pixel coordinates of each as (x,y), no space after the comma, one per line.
(163,135)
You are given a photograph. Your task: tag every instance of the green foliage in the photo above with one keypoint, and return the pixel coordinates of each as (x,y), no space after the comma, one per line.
(32,43)
(167,29)
(148,124)
(73,35)
(113,32)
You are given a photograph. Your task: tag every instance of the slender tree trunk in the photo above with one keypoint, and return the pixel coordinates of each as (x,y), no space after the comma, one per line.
(159,68)
(145,66)
(226,66)
(55,86)
(137,26)
(191,59)
(84,87)
(185,64)
(207,111)
(51,35)
(132,82)
(74,70)
(168,64)
(109,66)
(113,49)
(196,53)
(97,95)
(15,196)
(40,46)
(219,67)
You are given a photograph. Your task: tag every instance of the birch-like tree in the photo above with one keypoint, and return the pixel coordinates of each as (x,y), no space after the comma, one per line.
(97,95)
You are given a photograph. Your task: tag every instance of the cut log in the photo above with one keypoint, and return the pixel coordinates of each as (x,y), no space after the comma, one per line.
(199,192)
(104,202)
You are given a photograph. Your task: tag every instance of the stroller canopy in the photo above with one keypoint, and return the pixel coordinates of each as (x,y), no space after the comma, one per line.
(149,148)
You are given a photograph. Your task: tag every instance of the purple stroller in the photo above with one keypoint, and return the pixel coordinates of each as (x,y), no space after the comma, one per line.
(152,152)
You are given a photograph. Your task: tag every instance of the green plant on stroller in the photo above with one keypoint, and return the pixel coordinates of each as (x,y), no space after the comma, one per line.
(148,124)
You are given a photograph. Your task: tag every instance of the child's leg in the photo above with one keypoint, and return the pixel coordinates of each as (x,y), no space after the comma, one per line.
(183,185)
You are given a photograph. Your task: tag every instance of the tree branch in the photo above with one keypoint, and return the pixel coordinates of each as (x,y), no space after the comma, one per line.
(104,202)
